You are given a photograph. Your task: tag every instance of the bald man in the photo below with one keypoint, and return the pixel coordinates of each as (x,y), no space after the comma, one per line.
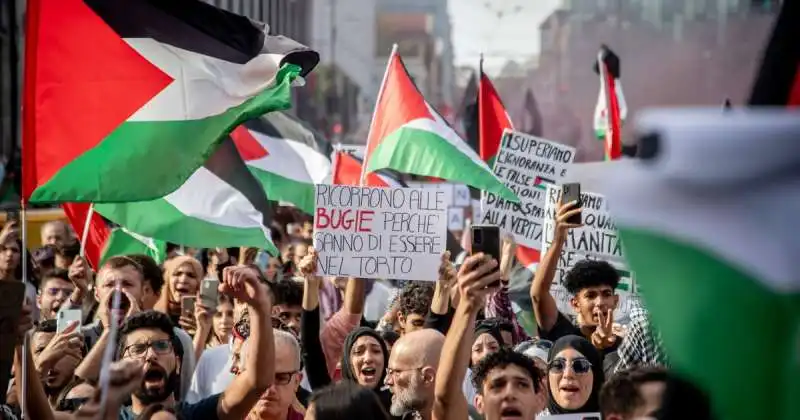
(55,233)
(412,372)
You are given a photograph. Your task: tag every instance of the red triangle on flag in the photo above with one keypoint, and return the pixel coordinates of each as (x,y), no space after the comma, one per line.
(247,145)
(96,236)
(492,119)
(399,102)
(347,171)
(81,82)
(527,256)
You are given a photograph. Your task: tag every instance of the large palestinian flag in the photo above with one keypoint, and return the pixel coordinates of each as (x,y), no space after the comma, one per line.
(282,155)
(409,136)
(347,169)
(220,205)
(121,241)
(708,226)
(125,99)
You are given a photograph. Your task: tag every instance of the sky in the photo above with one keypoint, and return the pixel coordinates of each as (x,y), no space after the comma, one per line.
(500,29)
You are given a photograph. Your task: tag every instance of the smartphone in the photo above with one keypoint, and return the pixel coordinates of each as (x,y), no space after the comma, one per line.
(187,305)
(486,239)
(572,192)
(66,317)
(209,293)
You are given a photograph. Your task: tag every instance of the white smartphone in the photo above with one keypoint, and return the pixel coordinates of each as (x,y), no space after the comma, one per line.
(66,317)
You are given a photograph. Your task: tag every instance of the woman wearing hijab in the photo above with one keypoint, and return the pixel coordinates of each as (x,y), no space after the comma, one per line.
(574,377)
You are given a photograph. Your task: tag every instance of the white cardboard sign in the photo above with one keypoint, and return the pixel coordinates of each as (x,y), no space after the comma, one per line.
(379,233)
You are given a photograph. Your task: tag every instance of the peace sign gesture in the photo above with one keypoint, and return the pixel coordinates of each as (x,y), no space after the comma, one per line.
(603,336)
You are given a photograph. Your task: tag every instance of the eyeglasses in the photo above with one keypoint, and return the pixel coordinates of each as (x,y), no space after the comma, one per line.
(71,404)
(283,378)
(392,372)
(580,365)
(163,346)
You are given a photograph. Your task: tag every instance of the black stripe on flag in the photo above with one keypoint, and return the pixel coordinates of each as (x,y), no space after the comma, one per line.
(227,164)
(199,27)
(283,125)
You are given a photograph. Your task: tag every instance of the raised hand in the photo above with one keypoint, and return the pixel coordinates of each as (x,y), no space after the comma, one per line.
(447,271)
(566,211)
(243,283)
(308,265)
(80,274)
(66,343)
(476,280)
(603,336)
(508,249)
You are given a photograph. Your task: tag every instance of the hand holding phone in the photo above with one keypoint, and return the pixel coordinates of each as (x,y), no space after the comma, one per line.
(572,192)
(187,305)
(67,317)
(486,239)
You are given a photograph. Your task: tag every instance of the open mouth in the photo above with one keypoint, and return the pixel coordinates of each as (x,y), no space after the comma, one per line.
(154,378)
(510,413)
(369,372)
(182,289)
(569,390)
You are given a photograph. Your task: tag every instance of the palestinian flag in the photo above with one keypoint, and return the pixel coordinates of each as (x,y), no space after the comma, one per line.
(409,136)
(714,256)
(492,119)
(347,169)
(611,109)
(125,99)
(714,248)
(274,149)
(221,205)
(124,242)
(94,236)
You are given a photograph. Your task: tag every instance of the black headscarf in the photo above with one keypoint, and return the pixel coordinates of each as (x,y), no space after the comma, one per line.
(586,348)
(347,368)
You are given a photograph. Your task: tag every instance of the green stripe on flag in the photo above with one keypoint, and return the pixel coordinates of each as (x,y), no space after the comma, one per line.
(123,242)
(153,158)
(421,152)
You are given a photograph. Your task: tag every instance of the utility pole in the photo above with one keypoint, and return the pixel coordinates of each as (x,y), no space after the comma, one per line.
(334,113)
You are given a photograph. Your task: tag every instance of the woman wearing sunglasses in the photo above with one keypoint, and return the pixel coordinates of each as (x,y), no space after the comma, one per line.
(574,376)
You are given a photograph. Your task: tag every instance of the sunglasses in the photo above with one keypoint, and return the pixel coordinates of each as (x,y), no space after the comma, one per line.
(580,365)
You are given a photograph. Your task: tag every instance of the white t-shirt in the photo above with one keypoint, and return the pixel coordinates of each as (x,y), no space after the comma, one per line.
(212,374)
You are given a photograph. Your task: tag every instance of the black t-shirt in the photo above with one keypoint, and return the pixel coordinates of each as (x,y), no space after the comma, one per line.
(205,409)
(564,327)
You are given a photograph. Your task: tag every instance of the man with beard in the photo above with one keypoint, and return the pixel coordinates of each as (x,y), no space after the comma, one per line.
(129,276)
(280,400)
(150,336)
(56,289)
(411,376)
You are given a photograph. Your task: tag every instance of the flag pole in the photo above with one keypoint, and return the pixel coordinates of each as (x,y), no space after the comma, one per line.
(374,113)
(85,234)
(25,341)
(480,132)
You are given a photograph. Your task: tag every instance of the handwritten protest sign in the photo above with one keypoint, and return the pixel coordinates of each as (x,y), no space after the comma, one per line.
(597,239)
(526,164)
(389,233)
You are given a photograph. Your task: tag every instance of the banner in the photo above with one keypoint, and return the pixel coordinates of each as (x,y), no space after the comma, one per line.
(526,164)
(379,233)
(597,239)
